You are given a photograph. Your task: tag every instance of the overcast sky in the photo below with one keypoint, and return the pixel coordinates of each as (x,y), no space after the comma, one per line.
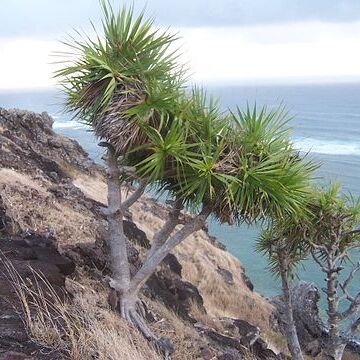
(239,41)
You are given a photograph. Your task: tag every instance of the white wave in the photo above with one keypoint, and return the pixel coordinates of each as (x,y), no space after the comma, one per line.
(68,125)
(331,147)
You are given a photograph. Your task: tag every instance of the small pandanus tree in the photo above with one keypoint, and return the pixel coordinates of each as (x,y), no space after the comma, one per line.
(283,243)
(237,167)
(334,242)
(328,231)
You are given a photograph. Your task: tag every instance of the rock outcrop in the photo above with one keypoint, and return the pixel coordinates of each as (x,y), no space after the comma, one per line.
(311,330)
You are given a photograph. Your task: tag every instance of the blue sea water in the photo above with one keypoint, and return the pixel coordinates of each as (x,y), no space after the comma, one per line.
(326,122)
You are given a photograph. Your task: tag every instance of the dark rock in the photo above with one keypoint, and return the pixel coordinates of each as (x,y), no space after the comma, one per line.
(30,144)
(306,314)
(177,294)
(248,333)
(311,330)
(313,348)
(247,280)
(135,235)
(12,355)
(224,341)
(207,354)
(173,263)
(262,352)
(29,254)
(214,240)
(7,225)
(54,175)
(54,143)
(226,275)
(230,354)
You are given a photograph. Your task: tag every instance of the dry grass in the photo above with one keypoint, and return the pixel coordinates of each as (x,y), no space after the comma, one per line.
(350,356)
(93,187)
(185,338)
(23,195)
(81,329)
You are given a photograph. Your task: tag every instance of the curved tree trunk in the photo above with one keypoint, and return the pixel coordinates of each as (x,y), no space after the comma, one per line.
(125,290)
(290,328)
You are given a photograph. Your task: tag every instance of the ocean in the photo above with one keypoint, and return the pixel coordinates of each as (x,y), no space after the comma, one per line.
(326,122)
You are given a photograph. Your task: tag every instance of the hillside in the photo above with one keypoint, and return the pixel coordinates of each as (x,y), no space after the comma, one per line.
(51,194)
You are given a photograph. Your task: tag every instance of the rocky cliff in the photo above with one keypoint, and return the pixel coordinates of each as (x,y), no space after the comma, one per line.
(51,194)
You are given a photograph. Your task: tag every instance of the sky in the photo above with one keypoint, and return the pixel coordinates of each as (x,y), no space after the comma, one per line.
(223,41)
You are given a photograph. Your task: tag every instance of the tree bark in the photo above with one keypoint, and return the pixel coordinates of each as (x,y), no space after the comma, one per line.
(117,240)
(335,347)
(153,261)
(290,328)
(164,233)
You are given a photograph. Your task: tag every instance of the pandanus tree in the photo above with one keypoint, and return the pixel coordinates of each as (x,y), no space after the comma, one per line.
(328,231)
(334,241)
(237,167)
(282,242)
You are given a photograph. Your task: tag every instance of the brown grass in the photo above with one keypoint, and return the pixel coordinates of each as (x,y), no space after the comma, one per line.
(34,207)
(185,338)
(81,328)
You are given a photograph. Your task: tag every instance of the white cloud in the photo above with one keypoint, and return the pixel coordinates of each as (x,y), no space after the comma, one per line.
(283,52)
(286,51)
(25,63)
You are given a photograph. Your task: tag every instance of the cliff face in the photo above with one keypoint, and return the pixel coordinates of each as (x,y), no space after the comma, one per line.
(50,219)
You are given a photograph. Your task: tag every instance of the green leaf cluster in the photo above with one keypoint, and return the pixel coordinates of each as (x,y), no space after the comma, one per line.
(128,85)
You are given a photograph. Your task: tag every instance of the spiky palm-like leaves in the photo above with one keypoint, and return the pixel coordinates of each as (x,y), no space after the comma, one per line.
(243,164)
(124,76)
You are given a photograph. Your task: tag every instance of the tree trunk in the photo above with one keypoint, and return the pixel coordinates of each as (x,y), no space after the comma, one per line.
(125,289)
(335,347)
(290,328)
(117,241)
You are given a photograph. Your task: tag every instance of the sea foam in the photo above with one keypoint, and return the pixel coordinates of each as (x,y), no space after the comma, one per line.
(330,147)
(68,125)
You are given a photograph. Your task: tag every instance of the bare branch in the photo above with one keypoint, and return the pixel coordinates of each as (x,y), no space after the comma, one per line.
(317,247)
(344,286)
(149,266)
(135,195)
(354,326)
(163,234)
(353,307)
(316,259)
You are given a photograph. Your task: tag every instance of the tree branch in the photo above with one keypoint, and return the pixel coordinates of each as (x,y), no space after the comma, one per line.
(150,265)
(135,195)
(353,307)
(354,326)
(322,266)
(317,247)
(163,234)
(344,286)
